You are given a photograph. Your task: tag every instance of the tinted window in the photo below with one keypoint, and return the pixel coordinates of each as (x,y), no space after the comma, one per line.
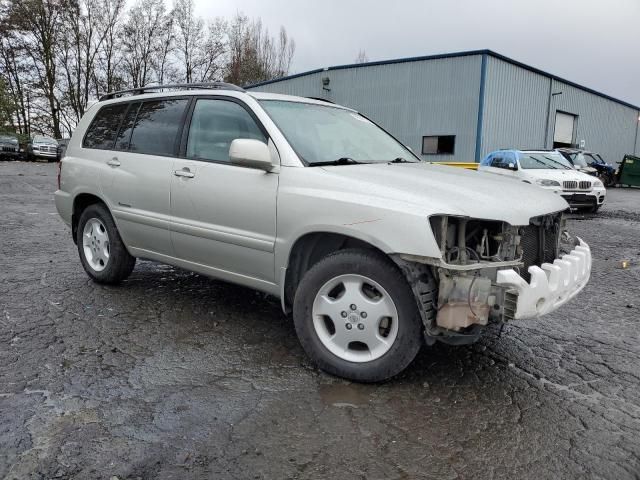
(214,125)
(104,127)
(156,127)
(498,162)
(122,141)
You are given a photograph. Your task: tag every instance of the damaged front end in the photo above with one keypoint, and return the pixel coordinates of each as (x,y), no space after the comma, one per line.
(470,292)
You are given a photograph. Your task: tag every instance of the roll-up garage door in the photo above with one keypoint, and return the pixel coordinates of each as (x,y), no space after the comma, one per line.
(565,123)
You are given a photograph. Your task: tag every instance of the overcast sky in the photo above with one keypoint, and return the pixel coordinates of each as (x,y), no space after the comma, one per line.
(592,42)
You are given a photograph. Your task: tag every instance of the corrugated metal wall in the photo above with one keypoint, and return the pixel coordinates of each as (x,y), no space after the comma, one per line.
(606,127)
(518,103)
(515,107)
(411,99)
(440,97)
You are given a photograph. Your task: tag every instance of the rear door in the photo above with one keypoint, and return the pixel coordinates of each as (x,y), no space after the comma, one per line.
(223,216)
(137,186)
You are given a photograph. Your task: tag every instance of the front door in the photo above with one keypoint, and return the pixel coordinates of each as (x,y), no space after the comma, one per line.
(223,216)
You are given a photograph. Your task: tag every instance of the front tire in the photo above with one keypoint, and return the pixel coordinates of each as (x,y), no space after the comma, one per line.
(102,252)
(356,316)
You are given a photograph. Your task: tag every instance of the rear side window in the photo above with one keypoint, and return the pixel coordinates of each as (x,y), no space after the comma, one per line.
(102,132)
(156,127)
(122,141)
(214,125)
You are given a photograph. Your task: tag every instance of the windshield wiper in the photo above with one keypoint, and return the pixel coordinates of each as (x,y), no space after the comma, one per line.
(338,161)
(555,161)
(402,160)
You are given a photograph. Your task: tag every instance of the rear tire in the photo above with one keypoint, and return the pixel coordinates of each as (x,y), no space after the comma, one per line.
(102,252)
(356,316)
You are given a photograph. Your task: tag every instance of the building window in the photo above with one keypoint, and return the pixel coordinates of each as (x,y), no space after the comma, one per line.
(438,144)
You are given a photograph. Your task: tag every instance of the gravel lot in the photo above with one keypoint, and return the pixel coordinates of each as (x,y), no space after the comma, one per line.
(173,375)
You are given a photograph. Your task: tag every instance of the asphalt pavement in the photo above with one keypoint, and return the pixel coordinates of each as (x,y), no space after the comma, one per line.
(176,376)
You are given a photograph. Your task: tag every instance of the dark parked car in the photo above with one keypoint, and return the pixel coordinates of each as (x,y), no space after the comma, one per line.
(591,163)
(9,147)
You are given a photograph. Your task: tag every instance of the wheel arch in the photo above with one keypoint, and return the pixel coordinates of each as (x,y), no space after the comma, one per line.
(80,202)
(310,248)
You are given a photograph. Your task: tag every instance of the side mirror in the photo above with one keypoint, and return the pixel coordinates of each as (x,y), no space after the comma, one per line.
(512,166)
(246,152)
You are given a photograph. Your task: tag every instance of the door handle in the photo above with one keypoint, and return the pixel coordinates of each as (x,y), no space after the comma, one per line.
(114,162)
(185,172)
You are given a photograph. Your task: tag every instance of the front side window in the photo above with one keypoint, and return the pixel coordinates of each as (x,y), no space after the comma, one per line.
(320,133)
(156,127)
(102,132)
(499,162)
(214,125)
(542,161)
(590,159)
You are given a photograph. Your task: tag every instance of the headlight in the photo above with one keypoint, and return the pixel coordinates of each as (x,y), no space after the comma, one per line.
(598,184)
(547,183)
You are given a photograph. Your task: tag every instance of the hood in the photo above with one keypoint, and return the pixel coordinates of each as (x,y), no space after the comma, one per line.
(587,170)
(439,189)
(559,175)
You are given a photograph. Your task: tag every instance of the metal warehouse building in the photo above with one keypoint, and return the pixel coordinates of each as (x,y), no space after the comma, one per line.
(461,106)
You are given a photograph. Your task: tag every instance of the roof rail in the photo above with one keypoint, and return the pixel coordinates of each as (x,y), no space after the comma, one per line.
(174,86)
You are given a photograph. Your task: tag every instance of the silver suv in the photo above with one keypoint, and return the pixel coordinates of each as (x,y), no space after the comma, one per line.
(374,251)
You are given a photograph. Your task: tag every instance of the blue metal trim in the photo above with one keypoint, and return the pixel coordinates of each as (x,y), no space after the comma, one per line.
(452,55)
(483,79)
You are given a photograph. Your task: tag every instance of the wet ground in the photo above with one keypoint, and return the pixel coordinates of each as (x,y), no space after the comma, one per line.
(173,375)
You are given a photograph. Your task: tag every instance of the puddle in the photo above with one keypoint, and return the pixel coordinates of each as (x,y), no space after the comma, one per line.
(344,395)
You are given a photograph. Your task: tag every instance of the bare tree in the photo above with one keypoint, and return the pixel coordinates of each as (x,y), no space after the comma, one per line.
(39,21)
(14,72)
(210,58)
(189,36)
(57,56)
(107,74)
(254,55)
(141,35)
(361,57)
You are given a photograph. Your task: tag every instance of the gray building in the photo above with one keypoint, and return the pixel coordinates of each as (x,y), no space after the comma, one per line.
(461,106)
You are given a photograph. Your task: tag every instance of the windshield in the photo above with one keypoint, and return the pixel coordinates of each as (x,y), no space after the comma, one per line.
(579,160)
(43,139)
(549,160)
(320,134)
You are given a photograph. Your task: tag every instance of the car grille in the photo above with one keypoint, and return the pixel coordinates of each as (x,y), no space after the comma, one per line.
(9,149)
(573,185)
(48,149)
(539,242)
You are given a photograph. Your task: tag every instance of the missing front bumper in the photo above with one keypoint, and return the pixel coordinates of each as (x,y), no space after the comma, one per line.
(551,285)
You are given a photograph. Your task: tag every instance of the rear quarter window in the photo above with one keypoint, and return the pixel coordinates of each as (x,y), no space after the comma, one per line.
(102,132)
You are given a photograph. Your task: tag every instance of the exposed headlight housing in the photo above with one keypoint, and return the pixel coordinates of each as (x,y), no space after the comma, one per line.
(545,182)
